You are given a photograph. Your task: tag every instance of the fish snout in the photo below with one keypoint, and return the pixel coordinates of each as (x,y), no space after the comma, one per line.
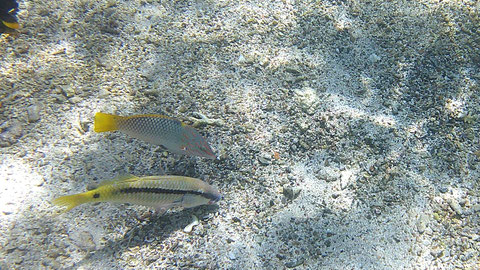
(215,198)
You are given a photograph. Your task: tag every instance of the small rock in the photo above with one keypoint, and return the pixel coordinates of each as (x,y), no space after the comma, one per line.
(59,99)
(236,219)
(38,181)
(182,108)
(33,113)
(436,253)
(291,193)
(201,120)
(304,145)
(232,256)
(21,49)
(75,100)
(59,51)
(295,262)
(307,99)
(241,60)
(293,70)
(84,125)
(443,189)
(422,223)
(68,91)
(328,176)
(302,125)
(373,58)
(190,226)
(102,93)
(10,136)
(455,206)
(264,160)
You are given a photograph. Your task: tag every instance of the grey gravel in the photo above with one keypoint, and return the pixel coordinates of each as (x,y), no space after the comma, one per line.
(370,108)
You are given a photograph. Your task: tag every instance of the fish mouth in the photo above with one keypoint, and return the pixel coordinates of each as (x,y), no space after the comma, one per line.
(216,199)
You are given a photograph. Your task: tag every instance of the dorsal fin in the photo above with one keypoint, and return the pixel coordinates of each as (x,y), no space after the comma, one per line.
(119,179)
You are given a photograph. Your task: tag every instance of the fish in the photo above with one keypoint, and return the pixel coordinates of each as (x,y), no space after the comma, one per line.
(174,135)
(160,192)
(8,12)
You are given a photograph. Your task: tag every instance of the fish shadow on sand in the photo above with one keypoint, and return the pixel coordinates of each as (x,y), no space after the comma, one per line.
(153,230)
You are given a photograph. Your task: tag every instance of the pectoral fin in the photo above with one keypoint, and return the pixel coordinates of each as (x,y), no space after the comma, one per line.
(162,209)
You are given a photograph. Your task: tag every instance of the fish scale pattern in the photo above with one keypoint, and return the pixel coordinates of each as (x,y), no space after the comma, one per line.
(171,133)
(156,130)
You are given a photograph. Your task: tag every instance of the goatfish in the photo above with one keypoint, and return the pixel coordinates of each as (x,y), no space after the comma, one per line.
(8,12)
(161,192)
(174,135)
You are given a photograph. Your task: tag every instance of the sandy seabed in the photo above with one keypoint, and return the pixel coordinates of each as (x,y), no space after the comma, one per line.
(346,131)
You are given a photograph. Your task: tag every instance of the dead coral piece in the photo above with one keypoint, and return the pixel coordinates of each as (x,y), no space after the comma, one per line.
(201,120)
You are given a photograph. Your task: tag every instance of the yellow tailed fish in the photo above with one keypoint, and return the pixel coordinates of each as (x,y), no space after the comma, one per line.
(161,192)
(8,11)
(174,135)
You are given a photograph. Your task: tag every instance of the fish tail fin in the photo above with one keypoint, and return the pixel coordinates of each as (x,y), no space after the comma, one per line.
(8,12)
(71,201)
(105,122)
(11,25)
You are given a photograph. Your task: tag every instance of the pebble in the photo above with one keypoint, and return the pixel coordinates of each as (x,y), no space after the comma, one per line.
(455,206)
(373,58)
(291,193)
(422,223)
(241,60)
(232,256)
(102,93)
(38,181)
(436,252)
(189,227)
(328,177)
(295,262)
(75,100)
(33,113)
(307,99)
(236,219)
(264,159)
(443,189)
(202,120)
(302,125)
(68,91)
(11,135)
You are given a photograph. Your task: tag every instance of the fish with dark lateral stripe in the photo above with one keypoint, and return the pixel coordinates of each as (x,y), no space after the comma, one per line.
(174,135)
(160,192)
(8,12)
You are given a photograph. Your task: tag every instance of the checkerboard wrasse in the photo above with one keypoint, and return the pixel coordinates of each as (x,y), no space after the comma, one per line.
(8,12)
(174,135)
(159,192)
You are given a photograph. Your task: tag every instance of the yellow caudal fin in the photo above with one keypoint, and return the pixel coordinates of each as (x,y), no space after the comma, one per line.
(11,25)
(105,122)
(72,201)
